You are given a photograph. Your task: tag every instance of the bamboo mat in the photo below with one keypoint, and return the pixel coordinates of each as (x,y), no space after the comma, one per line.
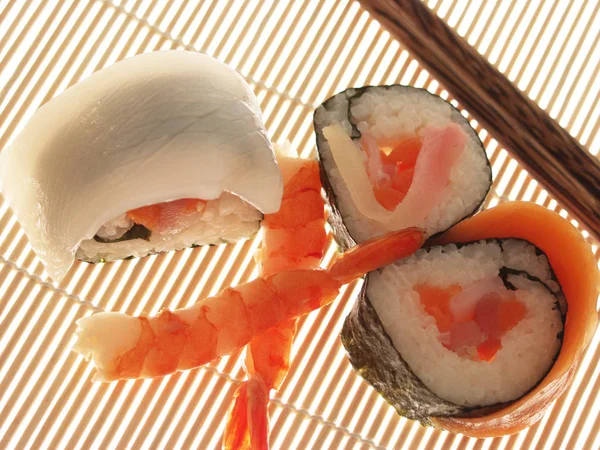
(295,54)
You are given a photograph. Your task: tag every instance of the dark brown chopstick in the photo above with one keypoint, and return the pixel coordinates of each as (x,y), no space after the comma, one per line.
(552,156)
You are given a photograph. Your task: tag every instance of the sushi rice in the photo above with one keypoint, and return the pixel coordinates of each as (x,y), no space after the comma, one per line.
(528,350)
(389,114)
(416,368)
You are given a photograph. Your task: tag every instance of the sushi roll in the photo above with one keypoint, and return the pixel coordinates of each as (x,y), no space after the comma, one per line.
(158,152)
(394,157)
(478,334)
(460,318)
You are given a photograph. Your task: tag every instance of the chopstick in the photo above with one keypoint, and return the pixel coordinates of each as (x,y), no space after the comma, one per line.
(552,156)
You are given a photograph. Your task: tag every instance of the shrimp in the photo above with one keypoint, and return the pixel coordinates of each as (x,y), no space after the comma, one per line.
(123,347)
(262,313)
(294,237)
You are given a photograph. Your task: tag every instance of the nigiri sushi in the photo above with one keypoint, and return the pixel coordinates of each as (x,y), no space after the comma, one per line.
(480,330)
(394,157)
(158,152)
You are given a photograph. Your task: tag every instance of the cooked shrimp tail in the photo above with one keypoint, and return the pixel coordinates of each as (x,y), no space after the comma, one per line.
(237,432)
(258,414)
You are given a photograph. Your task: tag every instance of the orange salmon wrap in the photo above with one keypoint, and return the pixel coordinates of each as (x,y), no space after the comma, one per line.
(577,272)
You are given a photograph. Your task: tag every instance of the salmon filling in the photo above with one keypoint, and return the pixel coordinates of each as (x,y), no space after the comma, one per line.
(473,329)
(167,217)
(391,169)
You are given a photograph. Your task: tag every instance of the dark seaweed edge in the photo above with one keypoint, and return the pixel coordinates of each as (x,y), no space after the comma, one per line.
(367,344)
(137,231)
(342,235)
(506,272)
(359,353)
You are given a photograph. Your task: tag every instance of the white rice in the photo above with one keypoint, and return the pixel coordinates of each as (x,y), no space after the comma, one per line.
(226,219)
(389,114)
(528,350)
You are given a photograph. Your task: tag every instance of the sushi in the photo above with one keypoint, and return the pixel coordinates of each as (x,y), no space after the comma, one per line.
(460,319)
(158,152)
(480,330)
(394,157)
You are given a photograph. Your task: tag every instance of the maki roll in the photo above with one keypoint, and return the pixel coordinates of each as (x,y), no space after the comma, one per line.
(479,331)
(472,326)
(158,152)
(394,157)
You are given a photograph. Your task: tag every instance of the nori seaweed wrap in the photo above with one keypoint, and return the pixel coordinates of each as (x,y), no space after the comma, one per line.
(420,330)
(395,156)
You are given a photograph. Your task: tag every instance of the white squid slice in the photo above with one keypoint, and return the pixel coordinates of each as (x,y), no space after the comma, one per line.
(441,148)
(152,128)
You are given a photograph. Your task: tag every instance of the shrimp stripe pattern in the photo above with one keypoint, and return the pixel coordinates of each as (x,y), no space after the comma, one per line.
(122,346)
(294,238)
